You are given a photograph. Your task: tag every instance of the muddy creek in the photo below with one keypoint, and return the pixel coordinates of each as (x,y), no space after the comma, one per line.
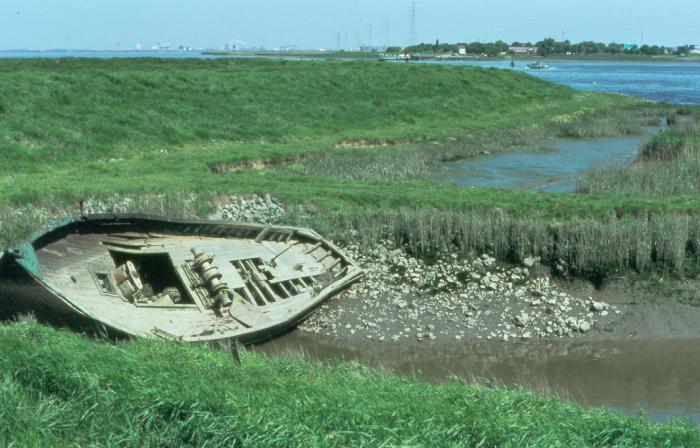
(659,377)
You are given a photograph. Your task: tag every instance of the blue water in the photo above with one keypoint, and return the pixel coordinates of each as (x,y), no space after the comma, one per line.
(669,82)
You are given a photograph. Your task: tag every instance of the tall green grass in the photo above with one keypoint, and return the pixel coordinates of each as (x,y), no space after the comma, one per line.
(668,165)
(659,178)
(586,245)
(590,247)
(61,389)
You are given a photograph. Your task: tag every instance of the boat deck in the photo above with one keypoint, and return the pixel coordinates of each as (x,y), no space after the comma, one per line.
(273,278)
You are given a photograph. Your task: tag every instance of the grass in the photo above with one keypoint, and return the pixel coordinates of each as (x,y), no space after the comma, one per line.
(135,126)
(668,165)
(421,161)
(592,248)
(61,389)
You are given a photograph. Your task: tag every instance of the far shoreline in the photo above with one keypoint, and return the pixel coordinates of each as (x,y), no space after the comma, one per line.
(380,56)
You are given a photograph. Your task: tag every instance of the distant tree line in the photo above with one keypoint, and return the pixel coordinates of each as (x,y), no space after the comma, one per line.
(544,47)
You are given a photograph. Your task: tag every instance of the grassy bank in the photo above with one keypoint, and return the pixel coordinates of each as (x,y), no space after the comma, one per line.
(143,125)
(61,389)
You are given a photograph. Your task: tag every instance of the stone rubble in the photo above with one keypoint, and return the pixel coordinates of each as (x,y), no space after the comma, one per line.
(403,298)
(257,209)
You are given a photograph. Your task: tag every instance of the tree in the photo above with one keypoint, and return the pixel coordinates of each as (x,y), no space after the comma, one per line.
(614,48)
(547,46)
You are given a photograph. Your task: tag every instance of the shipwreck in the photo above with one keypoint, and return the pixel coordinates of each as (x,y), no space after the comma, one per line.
(187,280)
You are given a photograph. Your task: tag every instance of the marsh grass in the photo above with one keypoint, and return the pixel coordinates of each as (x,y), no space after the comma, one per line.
(83,127)
(614,121)
(587,247)
(62,389)
(593,247)
(672,178)
(668,165)
(158,126)
(364,164)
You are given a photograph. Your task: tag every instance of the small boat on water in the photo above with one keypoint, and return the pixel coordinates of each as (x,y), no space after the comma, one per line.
(537,65)
(187,280)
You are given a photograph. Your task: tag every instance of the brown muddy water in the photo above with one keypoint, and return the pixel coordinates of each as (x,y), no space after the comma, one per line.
(660,377)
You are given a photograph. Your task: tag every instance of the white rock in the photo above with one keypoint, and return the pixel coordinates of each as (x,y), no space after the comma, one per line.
(598,306)
(522,320)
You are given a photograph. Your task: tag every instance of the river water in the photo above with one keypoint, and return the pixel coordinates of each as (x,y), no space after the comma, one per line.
(668,82)
(659,377)
(557,167)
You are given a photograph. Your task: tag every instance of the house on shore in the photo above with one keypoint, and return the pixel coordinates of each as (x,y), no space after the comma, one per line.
(522,50)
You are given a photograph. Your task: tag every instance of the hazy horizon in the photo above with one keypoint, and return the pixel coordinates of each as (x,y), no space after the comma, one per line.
(130,24)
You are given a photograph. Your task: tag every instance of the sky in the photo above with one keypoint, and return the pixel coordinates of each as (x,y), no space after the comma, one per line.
(313,24)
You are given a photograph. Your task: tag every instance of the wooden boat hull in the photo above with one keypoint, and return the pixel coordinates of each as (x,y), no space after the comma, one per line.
(273,277)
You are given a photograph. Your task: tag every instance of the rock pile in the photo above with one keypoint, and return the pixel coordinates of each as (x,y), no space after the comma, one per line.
(113,204)
(255,209)
(403,298)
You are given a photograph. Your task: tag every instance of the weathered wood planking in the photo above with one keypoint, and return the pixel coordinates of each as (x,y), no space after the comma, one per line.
(272,276)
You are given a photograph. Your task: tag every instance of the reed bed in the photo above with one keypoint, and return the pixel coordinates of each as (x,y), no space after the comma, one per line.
(588,247)
(647,178)
(673,145)
(668,165)
(591,247)
(615,121)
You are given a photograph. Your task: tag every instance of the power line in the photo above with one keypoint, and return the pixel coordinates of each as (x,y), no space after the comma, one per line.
(412,36)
